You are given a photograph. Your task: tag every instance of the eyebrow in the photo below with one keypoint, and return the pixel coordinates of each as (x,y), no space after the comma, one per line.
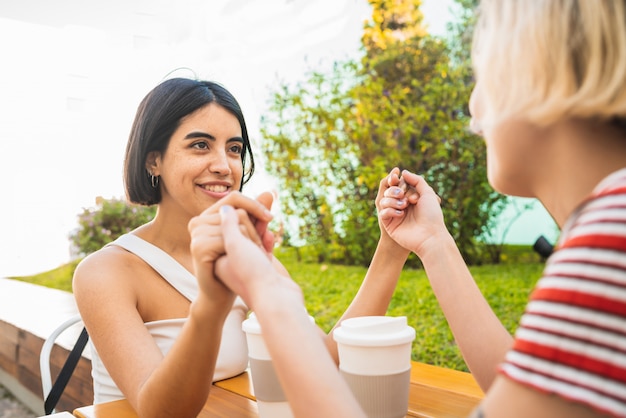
(194,135)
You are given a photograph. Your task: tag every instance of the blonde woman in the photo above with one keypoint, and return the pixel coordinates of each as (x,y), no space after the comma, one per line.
(550,102)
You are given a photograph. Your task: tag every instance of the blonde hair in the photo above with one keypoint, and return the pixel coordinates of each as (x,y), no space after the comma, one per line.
(544,60)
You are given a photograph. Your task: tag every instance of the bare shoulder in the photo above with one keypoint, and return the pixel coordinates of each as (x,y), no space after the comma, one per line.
(106,272)
(101,264)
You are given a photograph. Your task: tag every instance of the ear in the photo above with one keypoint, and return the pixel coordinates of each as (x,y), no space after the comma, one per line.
(153,163)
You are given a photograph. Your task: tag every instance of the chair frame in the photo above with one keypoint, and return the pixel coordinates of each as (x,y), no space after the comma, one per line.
(46,350)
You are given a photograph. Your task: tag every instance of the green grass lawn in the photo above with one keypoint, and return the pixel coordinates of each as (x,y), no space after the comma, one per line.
(59,278)
(328,290)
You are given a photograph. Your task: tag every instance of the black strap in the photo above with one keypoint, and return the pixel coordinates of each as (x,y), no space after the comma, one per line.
(66,372)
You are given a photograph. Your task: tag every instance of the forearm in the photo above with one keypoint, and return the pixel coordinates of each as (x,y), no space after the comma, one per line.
(181,384)
(377,288)
(481,337)
(307,373)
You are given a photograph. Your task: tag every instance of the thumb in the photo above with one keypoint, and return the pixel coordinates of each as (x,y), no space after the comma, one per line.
(230,224)
(266,199)
(420,185)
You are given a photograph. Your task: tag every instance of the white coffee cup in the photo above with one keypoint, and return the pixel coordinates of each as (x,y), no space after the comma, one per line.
(375,361)
(269,394)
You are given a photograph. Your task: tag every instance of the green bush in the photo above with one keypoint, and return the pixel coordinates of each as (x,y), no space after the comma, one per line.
(108,220)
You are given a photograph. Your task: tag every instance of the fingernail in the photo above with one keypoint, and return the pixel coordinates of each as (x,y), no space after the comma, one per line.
(225,209)
(268,214)
(400,202)
(396,192)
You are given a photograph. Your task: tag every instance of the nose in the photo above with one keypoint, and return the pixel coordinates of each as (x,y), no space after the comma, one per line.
(475,108)
(473,101)
(219,164)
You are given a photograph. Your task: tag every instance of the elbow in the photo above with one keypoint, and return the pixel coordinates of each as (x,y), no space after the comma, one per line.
(182,407)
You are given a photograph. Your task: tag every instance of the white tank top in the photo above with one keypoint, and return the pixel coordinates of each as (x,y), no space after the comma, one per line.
(233,354)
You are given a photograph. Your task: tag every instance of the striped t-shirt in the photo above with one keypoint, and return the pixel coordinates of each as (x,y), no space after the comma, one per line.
(572,338)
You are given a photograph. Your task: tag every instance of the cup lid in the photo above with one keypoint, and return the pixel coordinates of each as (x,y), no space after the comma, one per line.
(374,331)
(251,325)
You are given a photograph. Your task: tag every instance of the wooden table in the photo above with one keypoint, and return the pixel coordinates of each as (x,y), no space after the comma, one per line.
(434,392)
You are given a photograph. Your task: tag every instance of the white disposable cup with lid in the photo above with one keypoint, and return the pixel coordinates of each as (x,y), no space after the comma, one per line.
(375,361)
(269,394)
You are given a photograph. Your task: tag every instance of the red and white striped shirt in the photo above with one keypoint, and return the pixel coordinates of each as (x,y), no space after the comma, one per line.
(572,338)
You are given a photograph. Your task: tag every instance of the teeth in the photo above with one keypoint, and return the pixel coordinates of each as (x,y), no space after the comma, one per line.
(216,188)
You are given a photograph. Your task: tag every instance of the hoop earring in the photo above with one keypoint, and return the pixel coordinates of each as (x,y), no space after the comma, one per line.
(154,180)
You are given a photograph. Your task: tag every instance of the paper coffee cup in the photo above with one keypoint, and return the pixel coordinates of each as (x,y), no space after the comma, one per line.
(375,361)
(269,394)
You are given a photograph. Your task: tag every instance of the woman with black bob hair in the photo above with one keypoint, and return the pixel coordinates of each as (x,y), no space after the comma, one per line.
(157,120)
(162,326)
(155,329)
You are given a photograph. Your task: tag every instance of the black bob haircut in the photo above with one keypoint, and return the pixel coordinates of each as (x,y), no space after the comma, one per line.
(158,116)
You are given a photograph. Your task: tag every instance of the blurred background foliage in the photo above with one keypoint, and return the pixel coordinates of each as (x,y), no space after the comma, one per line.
(108,220)
(331,138)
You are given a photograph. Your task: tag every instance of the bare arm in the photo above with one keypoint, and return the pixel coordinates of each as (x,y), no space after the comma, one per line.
(376,290)
(113,299)
(154,385)
(510,399)
(306,371)
(378,286)
(481,337)
(308,374)
(419,227)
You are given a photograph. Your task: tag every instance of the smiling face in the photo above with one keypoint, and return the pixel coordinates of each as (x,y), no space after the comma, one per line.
(202,162)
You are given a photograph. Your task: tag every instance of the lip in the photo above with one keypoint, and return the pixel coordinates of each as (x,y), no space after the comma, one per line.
(215,194)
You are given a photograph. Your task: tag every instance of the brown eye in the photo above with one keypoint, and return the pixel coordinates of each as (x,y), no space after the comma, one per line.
(237,149)
(200,145)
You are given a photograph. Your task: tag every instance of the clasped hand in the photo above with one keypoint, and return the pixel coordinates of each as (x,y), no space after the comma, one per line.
(412,214)
(232,250)
(207,241)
